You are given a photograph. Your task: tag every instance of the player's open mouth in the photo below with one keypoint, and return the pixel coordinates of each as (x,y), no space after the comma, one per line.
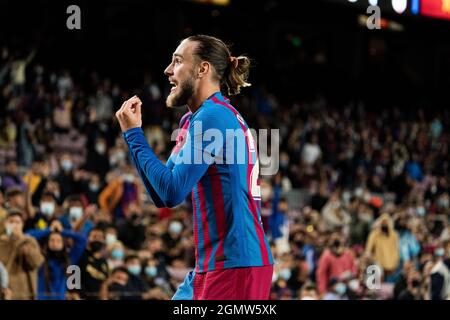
(174,86)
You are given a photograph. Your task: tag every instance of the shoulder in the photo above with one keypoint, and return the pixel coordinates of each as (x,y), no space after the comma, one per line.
(216,115)
(184,118)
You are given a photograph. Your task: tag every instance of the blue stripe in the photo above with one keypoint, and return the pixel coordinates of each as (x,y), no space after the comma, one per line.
(200,247)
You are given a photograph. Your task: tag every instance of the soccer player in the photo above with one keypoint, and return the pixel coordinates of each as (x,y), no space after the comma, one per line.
(233,258)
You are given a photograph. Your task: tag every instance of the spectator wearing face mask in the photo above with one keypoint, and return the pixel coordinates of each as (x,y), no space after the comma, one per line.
(76,217)
(111,236)
(336,290)
(172,240)
(97,157)
(116,255)
(93,265)
(334,262)
(92,189)
(115,287)
(413,289)
(136,284)
(383,244)
(52,275)
(156,278)
(354,288)
(45,213)
(408,245)
(308,292)
(21,256)
(131,230)
(440,276)
(69,179)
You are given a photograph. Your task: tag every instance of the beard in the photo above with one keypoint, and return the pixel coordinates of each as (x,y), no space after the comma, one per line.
(181,98)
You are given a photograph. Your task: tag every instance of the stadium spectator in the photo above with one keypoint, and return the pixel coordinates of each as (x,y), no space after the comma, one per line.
(21,256)
(118,194)
(440,276)
(11,178)
(58,257)
(93,265)
(383,244)
(335,262)
(5,292)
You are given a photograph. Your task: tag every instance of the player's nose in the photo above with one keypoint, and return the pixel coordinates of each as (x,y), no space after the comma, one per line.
(169,70)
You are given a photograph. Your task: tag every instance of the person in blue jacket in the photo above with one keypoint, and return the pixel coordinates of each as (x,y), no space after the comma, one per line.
(52,274)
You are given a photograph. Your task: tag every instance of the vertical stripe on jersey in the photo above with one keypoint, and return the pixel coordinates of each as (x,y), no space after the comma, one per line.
(251,202)
(195,227)
(200,235)
(219,212)
(205,228)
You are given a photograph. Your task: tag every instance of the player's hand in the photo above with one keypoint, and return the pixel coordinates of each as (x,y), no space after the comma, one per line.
(56,226)
(129,115)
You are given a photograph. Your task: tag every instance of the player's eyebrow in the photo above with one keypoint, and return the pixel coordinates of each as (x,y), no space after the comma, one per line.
(177,55)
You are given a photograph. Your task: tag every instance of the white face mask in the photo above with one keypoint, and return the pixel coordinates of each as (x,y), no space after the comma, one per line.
(353,285)
(100,148)
(110,238)
(9,229)
(75,213)
(47,208)
(128,178)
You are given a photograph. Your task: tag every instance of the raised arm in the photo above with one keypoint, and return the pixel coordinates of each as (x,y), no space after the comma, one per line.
(170,185)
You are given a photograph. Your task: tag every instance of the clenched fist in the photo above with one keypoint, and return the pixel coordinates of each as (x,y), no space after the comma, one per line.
(129,115)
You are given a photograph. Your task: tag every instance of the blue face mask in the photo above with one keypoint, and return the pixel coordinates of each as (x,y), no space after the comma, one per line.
(151,271)
(439,252)
(117,254)
(67,165)
(340,288)
(175,227)
(420,211)
(285,274)
(134,269)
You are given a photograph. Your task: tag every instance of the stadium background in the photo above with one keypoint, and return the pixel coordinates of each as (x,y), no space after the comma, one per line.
(362,114)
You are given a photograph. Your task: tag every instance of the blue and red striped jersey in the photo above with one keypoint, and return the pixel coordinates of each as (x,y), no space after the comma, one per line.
(216,160)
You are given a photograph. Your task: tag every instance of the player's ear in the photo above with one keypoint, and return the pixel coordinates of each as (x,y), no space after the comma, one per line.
(203,69)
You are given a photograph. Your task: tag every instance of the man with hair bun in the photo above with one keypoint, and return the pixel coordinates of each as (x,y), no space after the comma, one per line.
(233,258)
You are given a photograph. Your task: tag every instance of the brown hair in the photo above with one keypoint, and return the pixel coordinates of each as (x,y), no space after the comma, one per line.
(231,72)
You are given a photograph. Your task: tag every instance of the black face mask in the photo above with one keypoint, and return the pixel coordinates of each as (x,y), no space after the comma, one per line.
(300,243)
(96,246)
(55,254)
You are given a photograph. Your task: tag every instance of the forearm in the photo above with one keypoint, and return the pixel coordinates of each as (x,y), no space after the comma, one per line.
(39,234)
(171,186)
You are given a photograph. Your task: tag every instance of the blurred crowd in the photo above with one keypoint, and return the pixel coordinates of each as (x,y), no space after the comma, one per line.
(76,223)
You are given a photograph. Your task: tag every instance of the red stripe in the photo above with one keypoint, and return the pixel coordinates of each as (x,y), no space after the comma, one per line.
(194,209)
(206,240)
(219,212)
(251,201)
(181,137)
